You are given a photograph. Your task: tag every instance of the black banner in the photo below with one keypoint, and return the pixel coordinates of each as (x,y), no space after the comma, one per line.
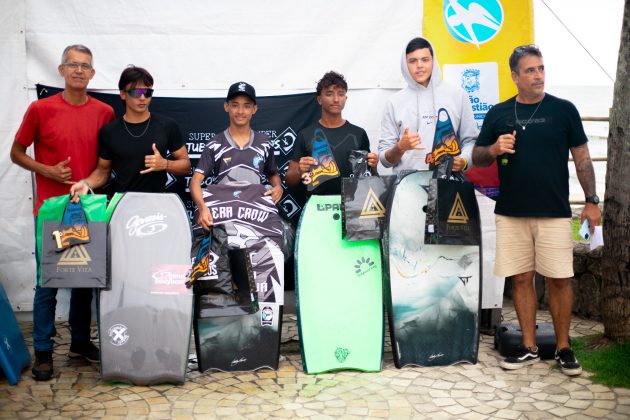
(279,117)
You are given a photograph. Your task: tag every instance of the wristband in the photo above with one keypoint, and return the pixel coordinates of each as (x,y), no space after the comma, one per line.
(465,164)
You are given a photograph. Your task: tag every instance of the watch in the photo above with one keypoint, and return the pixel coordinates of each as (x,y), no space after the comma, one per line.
(593,199)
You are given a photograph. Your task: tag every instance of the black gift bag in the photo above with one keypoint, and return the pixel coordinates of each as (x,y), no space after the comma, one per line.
(363,206)
(452,212)
(74,249)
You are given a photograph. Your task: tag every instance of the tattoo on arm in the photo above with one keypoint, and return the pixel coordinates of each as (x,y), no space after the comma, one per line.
(481,156)
(584,169)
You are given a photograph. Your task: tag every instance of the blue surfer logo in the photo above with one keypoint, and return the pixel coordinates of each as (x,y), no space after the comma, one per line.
(470,80)
(256,161)
(474,22)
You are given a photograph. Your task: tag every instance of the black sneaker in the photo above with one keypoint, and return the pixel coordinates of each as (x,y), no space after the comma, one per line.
(43,368)
(85,349)
(523,356)
(567,361)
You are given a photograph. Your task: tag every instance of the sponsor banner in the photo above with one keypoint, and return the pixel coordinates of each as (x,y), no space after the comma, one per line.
(480,81)
(200,119)
(473,40)
(479,31)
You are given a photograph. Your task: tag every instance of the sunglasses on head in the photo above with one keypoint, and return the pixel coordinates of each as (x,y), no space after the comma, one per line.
(136,93)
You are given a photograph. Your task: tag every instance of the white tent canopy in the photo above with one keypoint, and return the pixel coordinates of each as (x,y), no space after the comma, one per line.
(192,48)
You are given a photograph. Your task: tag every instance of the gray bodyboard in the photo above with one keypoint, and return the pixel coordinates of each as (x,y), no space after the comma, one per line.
(145,318)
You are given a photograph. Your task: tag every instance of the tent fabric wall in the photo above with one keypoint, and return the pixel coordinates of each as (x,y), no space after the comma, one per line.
(193,49)
(195,45)
(17,263)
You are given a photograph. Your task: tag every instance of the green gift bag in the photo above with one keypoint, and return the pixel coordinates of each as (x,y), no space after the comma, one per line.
(80,265)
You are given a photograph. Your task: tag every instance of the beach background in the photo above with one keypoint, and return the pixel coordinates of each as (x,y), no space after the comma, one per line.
(582,70)
(591,101)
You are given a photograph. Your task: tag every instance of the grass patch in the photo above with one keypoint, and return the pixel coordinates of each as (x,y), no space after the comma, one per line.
(576,227)
(609,365)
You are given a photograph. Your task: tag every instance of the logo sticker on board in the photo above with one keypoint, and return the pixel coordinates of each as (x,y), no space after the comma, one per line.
(266,316)
(458,212)
(146,226)
(473,21)
(363,265)
(341,354)
(118,334)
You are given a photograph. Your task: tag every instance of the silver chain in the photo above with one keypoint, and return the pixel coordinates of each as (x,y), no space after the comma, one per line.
(531,116)
(141,134)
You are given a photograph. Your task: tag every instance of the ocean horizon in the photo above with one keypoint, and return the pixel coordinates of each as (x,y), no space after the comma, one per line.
(591,101)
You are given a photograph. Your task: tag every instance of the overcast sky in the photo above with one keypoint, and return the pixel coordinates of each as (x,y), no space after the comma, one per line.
(596,23)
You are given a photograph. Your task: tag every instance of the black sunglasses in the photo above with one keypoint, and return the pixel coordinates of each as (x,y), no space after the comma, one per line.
(136,93)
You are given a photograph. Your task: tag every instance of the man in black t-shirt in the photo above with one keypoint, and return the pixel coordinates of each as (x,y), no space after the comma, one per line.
(342,136)
(531,135)
(133,148)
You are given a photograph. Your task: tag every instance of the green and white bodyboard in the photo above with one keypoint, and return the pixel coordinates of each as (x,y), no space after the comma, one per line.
(339,293)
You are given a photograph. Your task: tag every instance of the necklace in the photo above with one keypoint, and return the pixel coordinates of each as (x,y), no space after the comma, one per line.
(143,131)
(523,126)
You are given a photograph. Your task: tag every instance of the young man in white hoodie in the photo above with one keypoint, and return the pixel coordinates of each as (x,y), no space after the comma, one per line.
(410,115)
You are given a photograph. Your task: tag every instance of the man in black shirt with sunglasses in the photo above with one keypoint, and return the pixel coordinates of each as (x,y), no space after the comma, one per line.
(134,148)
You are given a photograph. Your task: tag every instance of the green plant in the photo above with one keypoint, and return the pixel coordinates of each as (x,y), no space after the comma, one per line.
(609,364)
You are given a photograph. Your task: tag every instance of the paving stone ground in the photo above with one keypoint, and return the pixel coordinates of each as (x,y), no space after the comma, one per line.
(463,391)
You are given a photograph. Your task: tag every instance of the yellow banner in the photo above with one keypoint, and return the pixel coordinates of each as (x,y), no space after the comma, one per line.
(478,31)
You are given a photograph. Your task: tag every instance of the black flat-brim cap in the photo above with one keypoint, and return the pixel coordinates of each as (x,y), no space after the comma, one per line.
(241,88)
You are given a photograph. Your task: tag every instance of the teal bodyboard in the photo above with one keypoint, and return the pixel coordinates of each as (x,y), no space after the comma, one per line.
(14,355)
(339,293)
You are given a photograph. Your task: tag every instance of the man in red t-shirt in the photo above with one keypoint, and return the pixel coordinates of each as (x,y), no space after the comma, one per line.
(63,131)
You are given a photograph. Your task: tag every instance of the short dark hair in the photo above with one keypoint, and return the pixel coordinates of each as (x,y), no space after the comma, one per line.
(521,51)
(331,78)
(134,75)
(418,44)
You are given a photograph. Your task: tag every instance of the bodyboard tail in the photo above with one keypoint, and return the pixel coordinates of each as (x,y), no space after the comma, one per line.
(14,355)
(239,342)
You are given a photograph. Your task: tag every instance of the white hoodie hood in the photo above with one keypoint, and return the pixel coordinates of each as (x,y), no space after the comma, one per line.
(416,107)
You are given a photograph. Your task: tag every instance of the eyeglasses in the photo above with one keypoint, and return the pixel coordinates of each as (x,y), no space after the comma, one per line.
(75,66)
(136,93)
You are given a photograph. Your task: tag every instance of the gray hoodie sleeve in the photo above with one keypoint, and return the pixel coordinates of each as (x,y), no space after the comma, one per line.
(468,131)
(389,134)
